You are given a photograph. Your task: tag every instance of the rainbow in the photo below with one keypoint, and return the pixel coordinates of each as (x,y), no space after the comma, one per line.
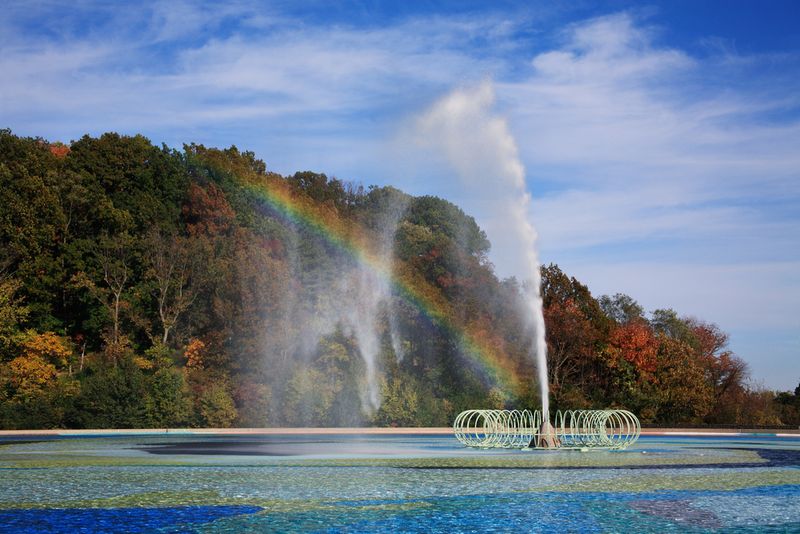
(475,342)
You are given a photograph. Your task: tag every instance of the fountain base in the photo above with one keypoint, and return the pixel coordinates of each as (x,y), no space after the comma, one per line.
(547,437)
(525,429)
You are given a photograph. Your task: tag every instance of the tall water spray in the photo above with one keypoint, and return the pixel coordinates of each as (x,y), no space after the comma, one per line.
(361,298)
(365,292)
(477,143)
(340,293)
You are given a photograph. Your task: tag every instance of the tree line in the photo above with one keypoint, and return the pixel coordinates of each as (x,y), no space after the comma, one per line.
(143,286)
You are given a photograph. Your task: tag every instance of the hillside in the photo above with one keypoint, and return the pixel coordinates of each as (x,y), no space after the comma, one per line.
(143,286)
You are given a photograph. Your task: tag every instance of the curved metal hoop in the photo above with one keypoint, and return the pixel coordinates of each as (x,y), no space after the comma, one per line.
(571,429)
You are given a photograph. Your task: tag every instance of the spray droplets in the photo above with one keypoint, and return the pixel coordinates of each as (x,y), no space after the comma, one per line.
(477,143)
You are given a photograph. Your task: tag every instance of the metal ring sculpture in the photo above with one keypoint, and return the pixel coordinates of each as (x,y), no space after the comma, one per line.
(571,429)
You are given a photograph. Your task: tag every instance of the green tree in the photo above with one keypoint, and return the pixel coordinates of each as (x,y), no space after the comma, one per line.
(684,395)
(12,314)
(309,398)
(668,322)
(401,403)
(621,308)
(168,403)
(114,397)
(216,406)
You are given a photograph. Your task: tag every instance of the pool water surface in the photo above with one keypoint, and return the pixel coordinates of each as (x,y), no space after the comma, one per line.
(394,483)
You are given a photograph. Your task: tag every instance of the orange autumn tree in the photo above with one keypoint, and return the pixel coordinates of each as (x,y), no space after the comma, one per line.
(194,354)
(36,385)
(44,356)
(634,343)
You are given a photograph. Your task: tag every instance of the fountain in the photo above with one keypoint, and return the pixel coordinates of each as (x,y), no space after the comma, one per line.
(524,429)
(478,144)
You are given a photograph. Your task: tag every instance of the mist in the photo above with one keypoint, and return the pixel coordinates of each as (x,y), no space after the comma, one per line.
(463,129)
(338,304)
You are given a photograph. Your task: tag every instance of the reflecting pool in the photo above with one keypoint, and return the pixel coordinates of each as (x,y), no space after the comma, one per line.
(394,483)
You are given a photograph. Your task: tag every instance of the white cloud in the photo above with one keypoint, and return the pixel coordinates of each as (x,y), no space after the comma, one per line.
(632,148)
(611,96)
(672,178)
(638,146)
(279,69)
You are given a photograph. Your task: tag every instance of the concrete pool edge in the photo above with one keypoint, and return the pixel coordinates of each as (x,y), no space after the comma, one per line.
(106,432)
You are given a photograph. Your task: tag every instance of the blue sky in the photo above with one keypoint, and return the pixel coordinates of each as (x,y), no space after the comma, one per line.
(661,141)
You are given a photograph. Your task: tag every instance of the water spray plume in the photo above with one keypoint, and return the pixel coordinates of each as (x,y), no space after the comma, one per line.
(405,284)
(477,143)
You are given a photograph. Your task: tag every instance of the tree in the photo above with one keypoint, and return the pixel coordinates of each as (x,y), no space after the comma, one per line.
(42,359)
(441,216)
(635,343)
(382,208)
(217,408)
(558,287)
(571,346)
(114,255)
(252,404)
(12,313)
(621,308)
(309,397)
(30,375)
(725,372)
(145,182)
(168,403)
(788,408)
(400,404)
(114,397)
(30,220)
(320,188)
(207,211)
(243,269)
(684,395)
(176,267)
(668,323)
(724,369)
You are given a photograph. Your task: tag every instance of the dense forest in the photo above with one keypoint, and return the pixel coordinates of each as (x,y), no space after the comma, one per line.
(142,286)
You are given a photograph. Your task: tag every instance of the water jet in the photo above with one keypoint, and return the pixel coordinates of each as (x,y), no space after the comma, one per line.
(525,429)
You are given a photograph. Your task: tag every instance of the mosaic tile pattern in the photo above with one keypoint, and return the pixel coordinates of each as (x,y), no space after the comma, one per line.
(395,483)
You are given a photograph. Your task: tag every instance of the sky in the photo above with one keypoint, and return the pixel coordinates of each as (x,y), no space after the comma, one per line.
(660,141)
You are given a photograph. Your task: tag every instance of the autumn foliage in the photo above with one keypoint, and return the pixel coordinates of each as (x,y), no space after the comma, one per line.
(634,343)
(59,150)
(142,286)
(206,211)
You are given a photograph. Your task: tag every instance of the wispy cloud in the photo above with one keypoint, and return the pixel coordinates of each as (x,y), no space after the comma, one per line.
(610,95)
(174,61)
(638,143)
(655,170)
(671,177)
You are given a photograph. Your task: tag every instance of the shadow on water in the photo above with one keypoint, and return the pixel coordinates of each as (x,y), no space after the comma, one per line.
(285,446)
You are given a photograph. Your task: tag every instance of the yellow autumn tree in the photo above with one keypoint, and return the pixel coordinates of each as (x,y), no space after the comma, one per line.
(43,357)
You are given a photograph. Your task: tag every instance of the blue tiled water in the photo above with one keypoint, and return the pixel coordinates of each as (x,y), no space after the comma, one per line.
(378,483)
(116,519)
